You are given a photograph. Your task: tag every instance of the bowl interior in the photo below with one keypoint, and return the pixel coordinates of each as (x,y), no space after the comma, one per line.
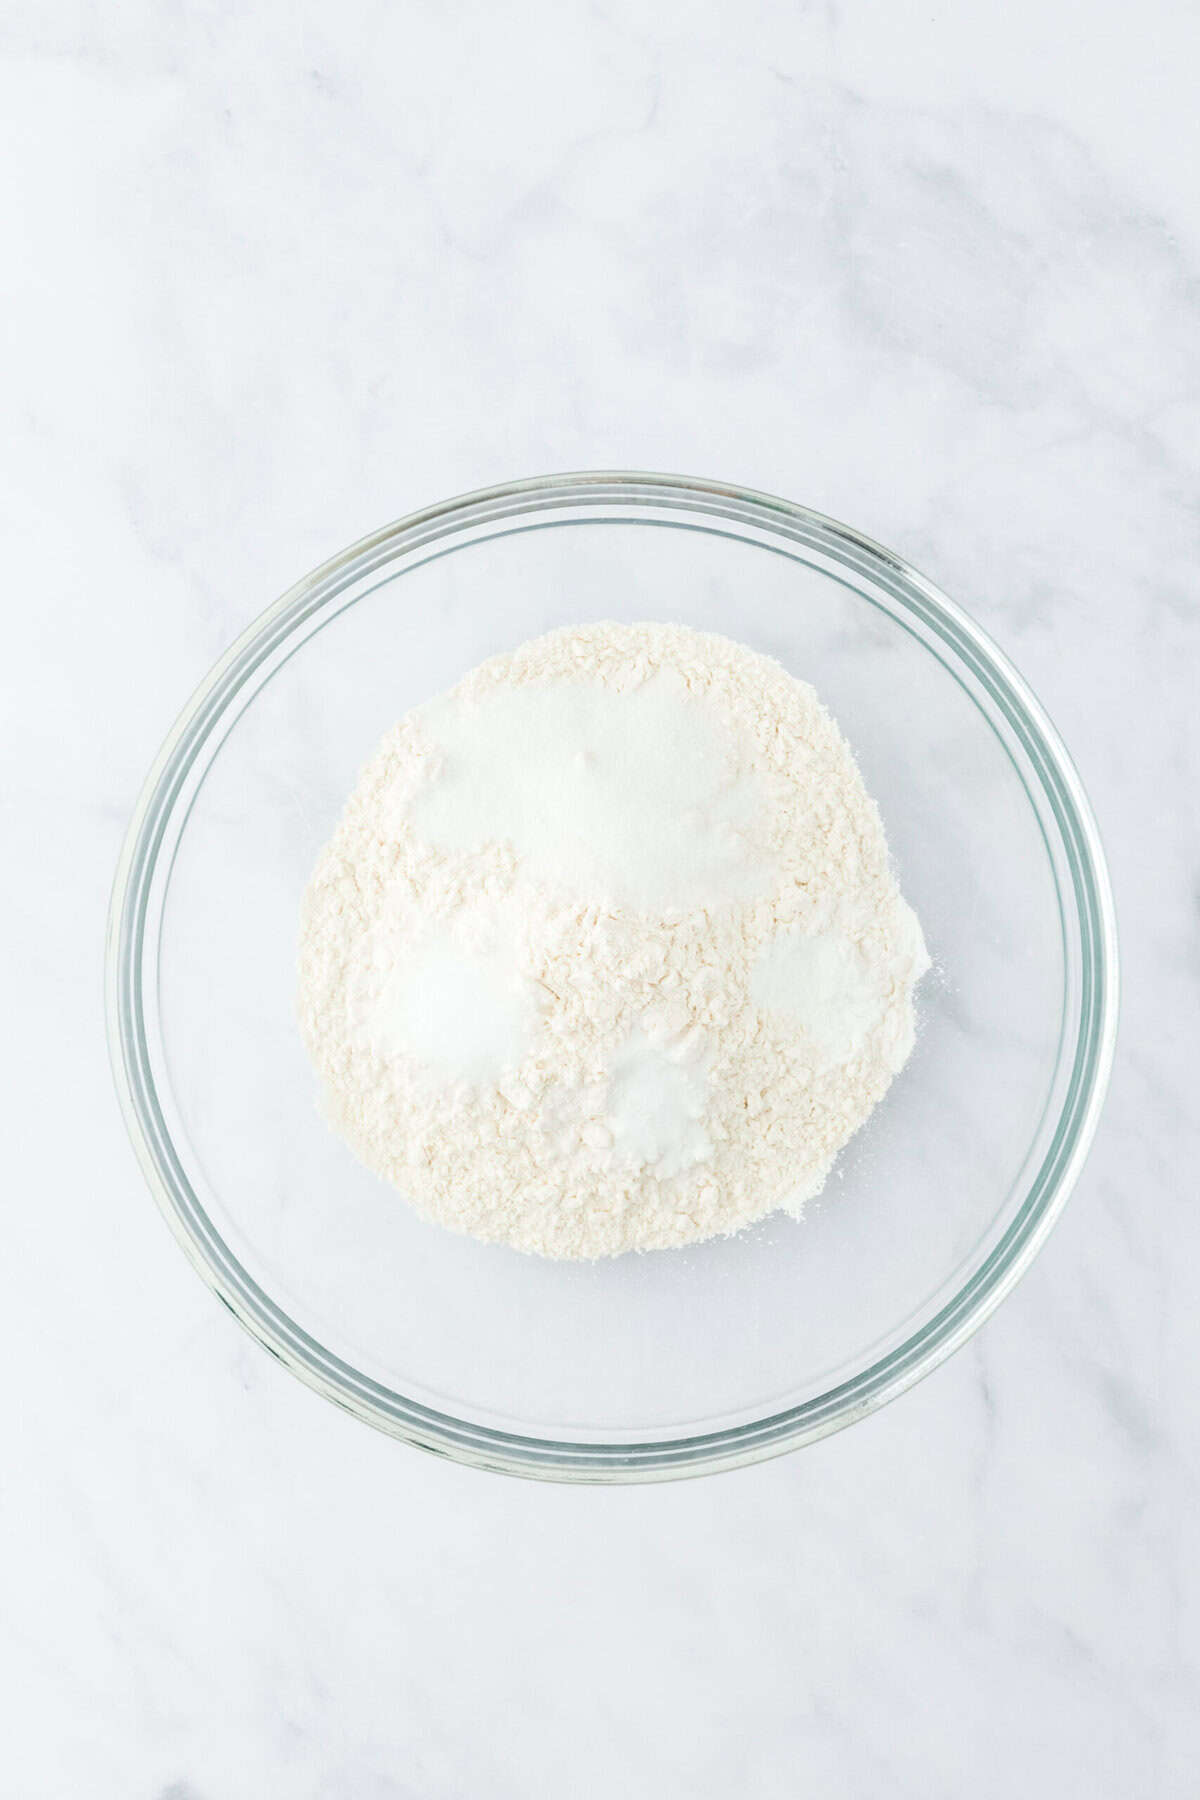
(676,1343)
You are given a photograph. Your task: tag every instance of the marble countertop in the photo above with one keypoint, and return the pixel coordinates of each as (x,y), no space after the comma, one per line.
(276,275)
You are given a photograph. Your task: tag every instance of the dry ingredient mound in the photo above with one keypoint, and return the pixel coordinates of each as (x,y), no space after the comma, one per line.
(606,953)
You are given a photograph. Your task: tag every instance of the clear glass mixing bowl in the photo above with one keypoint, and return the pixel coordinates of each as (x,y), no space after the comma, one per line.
(679,1361)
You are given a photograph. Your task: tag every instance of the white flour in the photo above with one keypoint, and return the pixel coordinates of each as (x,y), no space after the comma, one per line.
(605,953)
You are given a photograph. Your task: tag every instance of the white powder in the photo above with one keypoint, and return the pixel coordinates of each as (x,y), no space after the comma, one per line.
(824,984)
(654,1110)
(606,953)
(453,1013)
(631,795)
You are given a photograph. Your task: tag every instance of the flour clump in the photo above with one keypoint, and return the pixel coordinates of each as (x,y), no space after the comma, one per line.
(606,952)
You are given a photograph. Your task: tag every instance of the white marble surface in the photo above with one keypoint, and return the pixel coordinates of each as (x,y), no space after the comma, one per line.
(277,274)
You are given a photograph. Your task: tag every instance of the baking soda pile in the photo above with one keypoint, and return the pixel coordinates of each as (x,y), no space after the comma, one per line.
(606,953)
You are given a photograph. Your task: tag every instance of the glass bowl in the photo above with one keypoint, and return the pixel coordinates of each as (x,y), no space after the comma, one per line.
(675,1362)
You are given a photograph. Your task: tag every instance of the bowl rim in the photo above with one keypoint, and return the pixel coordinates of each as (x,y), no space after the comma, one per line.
(489,1447)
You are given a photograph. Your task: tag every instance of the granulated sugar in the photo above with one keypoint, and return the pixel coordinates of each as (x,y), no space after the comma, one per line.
(631,794)
(606,952)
